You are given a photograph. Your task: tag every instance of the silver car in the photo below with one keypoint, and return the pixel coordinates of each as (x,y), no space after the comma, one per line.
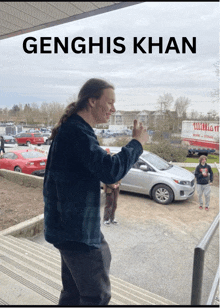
(153,176)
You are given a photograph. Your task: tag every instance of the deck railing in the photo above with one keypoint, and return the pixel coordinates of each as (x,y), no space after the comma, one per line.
(198,267)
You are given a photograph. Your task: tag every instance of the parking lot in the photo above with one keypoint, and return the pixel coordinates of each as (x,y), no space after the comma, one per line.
(153,245)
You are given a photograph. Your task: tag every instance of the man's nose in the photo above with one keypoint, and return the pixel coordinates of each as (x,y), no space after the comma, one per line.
(113,109)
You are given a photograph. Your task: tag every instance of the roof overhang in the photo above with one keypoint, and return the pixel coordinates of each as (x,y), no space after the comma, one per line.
(18,18)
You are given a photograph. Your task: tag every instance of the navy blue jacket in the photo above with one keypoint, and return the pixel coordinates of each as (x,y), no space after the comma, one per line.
(76,164)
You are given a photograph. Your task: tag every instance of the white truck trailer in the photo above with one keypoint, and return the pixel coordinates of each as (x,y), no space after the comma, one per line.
(201,137)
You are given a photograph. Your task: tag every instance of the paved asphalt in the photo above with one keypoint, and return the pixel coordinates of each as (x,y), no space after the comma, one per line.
(156,257)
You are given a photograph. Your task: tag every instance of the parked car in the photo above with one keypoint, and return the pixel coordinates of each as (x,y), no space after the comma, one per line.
(128,132)
(33,130)
(29,138)
(151,175)
(25,161)
(46,136)
(10,142)
(45,130)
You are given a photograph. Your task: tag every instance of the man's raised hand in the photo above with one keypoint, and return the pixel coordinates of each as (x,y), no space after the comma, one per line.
(139,133)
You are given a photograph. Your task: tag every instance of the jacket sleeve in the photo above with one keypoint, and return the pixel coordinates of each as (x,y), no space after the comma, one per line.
(211,174)
(109,169)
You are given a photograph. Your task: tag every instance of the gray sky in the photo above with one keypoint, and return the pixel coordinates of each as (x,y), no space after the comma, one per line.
(139,79)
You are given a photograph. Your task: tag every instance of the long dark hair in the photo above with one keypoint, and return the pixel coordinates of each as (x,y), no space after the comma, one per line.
(93,88)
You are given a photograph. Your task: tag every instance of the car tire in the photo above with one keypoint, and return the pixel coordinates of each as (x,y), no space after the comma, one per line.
(28,143)
(17,169)
(162,194)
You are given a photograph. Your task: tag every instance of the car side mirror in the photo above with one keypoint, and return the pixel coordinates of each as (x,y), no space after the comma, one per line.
(144,167)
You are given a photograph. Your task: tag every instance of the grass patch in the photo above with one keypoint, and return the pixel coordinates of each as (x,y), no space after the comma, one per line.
(211,159)
(191,169)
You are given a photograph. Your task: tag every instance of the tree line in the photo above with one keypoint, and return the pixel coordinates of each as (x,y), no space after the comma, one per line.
(173,113)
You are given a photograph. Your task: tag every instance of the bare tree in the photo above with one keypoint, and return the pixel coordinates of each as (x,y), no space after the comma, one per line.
(21,112)
(181,105)
(194,115)
(164,102)
(212,115)
(52,112)
(27,113)
(56,110)
(14,112)
(35,112)
(4,114)
(45,111)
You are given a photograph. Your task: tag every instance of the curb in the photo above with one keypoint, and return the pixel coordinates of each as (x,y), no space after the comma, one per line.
(22,178)
(193,164)
(35,225)
(28,228)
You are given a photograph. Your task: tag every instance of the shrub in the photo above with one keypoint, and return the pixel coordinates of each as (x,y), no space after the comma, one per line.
(120,141)
(169,152)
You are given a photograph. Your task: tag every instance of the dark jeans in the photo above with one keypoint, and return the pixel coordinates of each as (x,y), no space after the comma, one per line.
(85,277)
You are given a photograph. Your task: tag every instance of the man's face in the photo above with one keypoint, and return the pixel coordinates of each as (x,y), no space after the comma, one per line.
(203,161)
(104,106)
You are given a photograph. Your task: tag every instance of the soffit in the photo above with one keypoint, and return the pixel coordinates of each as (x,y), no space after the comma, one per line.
(22,17)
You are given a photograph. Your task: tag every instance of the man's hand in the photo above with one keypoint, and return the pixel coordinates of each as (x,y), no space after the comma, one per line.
(139,133)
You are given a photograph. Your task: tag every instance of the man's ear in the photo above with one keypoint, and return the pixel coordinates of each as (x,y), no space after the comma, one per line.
(92,102)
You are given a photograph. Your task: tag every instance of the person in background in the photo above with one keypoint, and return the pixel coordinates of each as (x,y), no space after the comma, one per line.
(112,193)
(203,182)
(2,145)
(75,167)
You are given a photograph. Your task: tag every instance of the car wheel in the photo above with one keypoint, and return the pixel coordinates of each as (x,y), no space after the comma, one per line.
(17,169)
(28,143)
(162,194)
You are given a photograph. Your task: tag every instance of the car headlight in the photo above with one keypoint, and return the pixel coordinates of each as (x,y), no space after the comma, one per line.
(182,182)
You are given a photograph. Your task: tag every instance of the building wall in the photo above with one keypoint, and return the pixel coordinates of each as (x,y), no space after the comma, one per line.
(127,118)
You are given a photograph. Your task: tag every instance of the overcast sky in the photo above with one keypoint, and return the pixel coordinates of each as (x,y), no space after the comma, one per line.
(140,78)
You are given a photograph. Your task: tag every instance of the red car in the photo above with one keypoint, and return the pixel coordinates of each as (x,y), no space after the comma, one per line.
(29,138)
(26,161)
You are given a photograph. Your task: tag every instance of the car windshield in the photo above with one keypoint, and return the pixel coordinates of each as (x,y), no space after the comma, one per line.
(156,161)
(37,135)
(32,154)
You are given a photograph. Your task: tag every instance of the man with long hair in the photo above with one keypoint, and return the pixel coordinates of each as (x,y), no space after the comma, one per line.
(76,164)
